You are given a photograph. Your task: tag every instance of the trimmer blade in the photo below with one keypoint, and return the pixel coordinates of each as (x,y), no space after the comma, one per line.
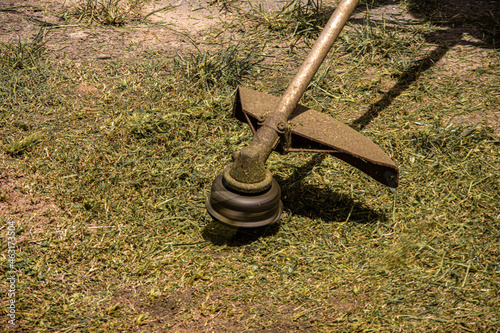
(312,131)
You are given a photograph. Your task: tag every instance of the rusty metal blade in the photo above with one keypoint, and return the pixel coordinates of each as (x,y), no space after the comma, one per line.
(312,131)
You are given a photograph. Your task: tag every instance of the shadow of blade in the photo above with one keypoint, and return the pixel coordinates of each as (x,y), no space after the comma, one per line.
(403,83)
(455,18)
(477,18)
(221,234)
(321,203)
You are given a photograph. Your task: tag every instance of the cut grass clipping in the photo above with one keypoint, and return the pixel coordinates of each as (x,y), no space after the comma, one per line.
(373,40)
(15,147)
(108,203)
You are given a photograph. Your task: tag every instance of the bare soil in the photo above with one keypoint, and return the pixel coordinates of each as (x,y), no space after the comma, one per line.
(17,203)
(164,32)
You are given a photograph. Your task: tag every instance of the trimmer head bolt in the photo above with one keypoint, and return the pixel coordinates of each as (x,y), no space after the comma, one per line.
(281,127)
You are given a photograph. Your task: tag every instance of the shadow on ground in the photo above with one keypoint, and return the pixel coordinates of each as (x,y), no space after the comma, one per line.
(462,22)
(301,200)
(220,234)
(477,18)
(316,202)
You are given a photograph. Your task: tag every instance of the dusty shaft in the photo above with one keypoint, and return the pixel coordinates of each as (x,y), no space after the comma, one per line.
(314,59)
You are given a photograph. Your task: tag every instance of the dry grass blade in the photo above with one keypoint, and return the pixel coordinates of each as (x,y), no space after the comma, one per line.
(109,12)
(106,165)
(16,147)
(226,66)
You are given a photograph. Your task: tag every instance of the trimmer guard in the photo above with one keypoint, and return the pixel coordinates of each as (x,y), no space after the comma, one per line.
(312,131)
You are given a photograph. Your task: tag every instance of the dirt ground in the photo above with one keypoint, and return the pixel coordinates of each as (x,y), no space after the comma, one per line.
(170,29)
(74,41)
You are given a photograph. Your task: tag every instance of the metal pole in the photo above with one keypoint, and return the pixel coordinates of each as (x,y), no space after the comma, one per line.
(314,59)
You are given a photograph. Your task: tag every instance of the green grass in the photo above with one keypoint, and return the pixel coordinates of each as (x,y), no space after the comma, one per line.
(226,5)
(16,147)
(22,54)
(108,12)
(294,19)
(372,41)
(224,67)
(112,233)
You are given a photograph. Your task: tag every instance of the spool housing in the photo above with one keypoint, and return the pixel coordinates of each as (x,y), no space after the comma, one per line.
(244,210)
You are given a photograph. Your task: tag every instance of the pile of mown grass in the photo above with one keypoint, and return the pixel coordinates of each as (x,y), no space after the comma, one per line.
(130,163)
